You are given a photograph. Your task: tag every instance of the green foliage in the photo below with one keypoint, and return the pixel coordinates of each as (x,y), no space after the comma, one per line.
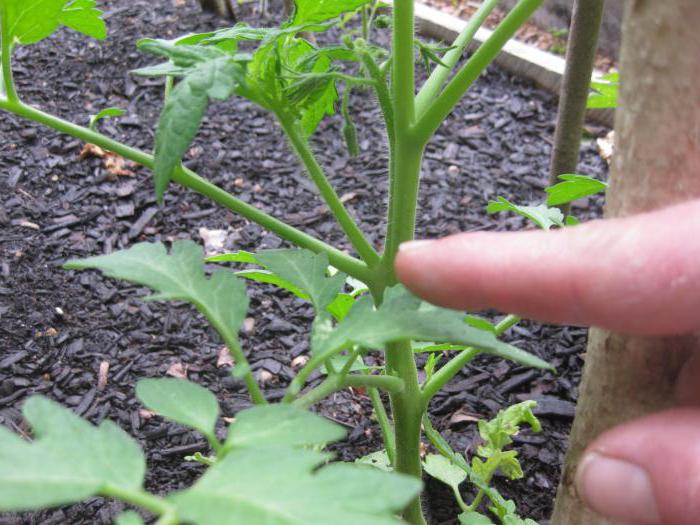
(105,113)
(315,11)
(129,518)
(379,459)
(178,275)
(572,188)
(605,92)
(541,215)
(68,461)
(181,401)
(30,22)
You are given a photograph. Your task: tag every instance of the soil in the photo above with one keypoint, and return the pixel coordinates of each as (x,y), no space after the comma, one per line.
(84,340)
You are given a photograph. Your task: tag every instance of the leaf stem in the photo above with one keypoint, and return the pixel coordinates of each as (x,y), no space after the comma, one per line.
(303,150)
(437,79)
(384,424)
(191,180)
(443,105)
(336,382)
(7,78)
(145,500)
(445,374)
(403,71)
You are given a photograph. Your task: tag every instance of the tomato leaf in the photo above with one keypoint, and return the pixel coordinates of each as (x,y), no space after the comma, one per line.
(105,113)
(315,11)
(181,401)
(572,188)
(281,424)
(237,490)
(541,215)
(68,461)
(178,275)
(84,17)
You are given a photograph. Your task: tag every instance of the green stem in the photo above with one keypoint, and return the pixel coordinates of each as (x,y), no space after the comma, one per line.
(8,81)
(383,95)
(146,501)
(384,424)
(407,409)
(337,382)
(303,150)
(452,368)
(191,180)
(437,79)
(403,71)
(443,105)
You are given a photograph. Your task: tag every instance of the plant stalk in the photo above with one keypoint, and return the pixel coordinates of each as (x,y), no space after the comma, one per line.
(403,71)
(191,180)
(6,44)
(303,150)
(443,105)
(384,424)
(580,57)
(440,74)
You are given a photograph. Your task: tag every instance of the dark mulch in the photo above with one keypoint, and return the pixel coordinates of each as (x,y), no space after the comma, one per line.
(58,328)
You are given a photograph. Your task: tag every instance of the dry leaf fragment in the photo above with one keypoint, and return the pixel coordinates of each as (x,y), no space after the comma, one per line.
(146,414)
(299,361)
(214,240)
(606,146)
(248,325)
(462,417)
(225,359)
(113,163)
(177,370)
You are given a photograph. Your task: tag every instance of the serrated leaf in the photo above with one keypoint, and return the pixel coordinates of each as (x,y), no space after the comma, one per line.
(263,276)
(105,113)
(497,432)
(84,17)
(379,459)
(178,275)
(474,518)
(404,317)
(184,109)
(541,215)
(181,401)
(68,461)
(281,424)
(284,486)
(315,11)
(32,21)
(341,306)
(572,188)
(444,470)
(129,518)
(307,271)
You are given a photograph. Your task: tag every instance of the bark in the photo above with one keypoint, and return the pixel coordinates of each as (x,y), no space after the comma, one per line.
(657,163)
(580,56)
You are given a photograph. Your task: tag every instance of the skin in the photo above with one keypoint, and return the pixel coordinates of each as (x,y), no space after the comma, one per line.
(636,275)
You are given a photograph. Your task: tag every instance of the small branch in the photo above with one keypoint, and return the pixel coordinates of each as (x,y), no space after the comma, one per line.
(331,198)
(7,78)
(437,79)
(383,94)
(336,382)
(443,105)
(189,179)
(383,382)
(445,374)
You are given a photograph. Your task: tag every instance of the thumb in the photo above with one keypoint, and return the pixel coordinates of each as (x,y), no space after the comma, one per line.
(646,472)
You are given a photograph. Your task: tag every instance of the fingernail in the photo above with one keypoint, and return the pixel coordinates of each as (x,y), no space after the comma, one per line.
(412,246)
(617,489)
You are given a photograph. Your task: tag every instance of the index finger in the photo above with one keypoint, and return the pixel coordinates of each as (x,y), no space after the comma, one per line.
(638,275)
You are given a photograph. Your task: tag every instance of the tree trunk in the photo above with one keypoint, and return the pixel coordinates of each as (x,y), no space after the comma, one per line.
(219,7)
(657,163)
(580,56)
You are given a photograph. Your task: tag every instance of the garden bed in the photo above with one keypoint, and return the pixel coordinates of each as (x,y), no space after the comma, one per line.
(85,340)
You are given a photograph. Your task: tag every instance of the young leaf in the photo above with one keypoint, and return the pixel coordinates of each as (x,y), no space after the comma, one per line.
(281,424)
(84,17)
(605,92)
(379,459)
(236,257)
(264,276)
(214,79)
(497,432)
(238,490)
(474,518)
(32,21)
(68,461)
(444,470)
(307,271)
(178,276)
(541,215)
(572,188)
(341,306)
(105,113)
(404,317)
(181,401)
(314,11)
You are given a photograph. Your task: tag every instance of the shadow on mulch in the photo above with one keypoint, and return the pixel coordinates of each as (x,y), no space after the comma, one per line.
(59,328)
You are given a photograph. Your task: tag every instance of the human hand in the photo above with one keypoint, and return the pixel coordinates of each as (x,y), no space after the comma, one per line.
(637,275)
